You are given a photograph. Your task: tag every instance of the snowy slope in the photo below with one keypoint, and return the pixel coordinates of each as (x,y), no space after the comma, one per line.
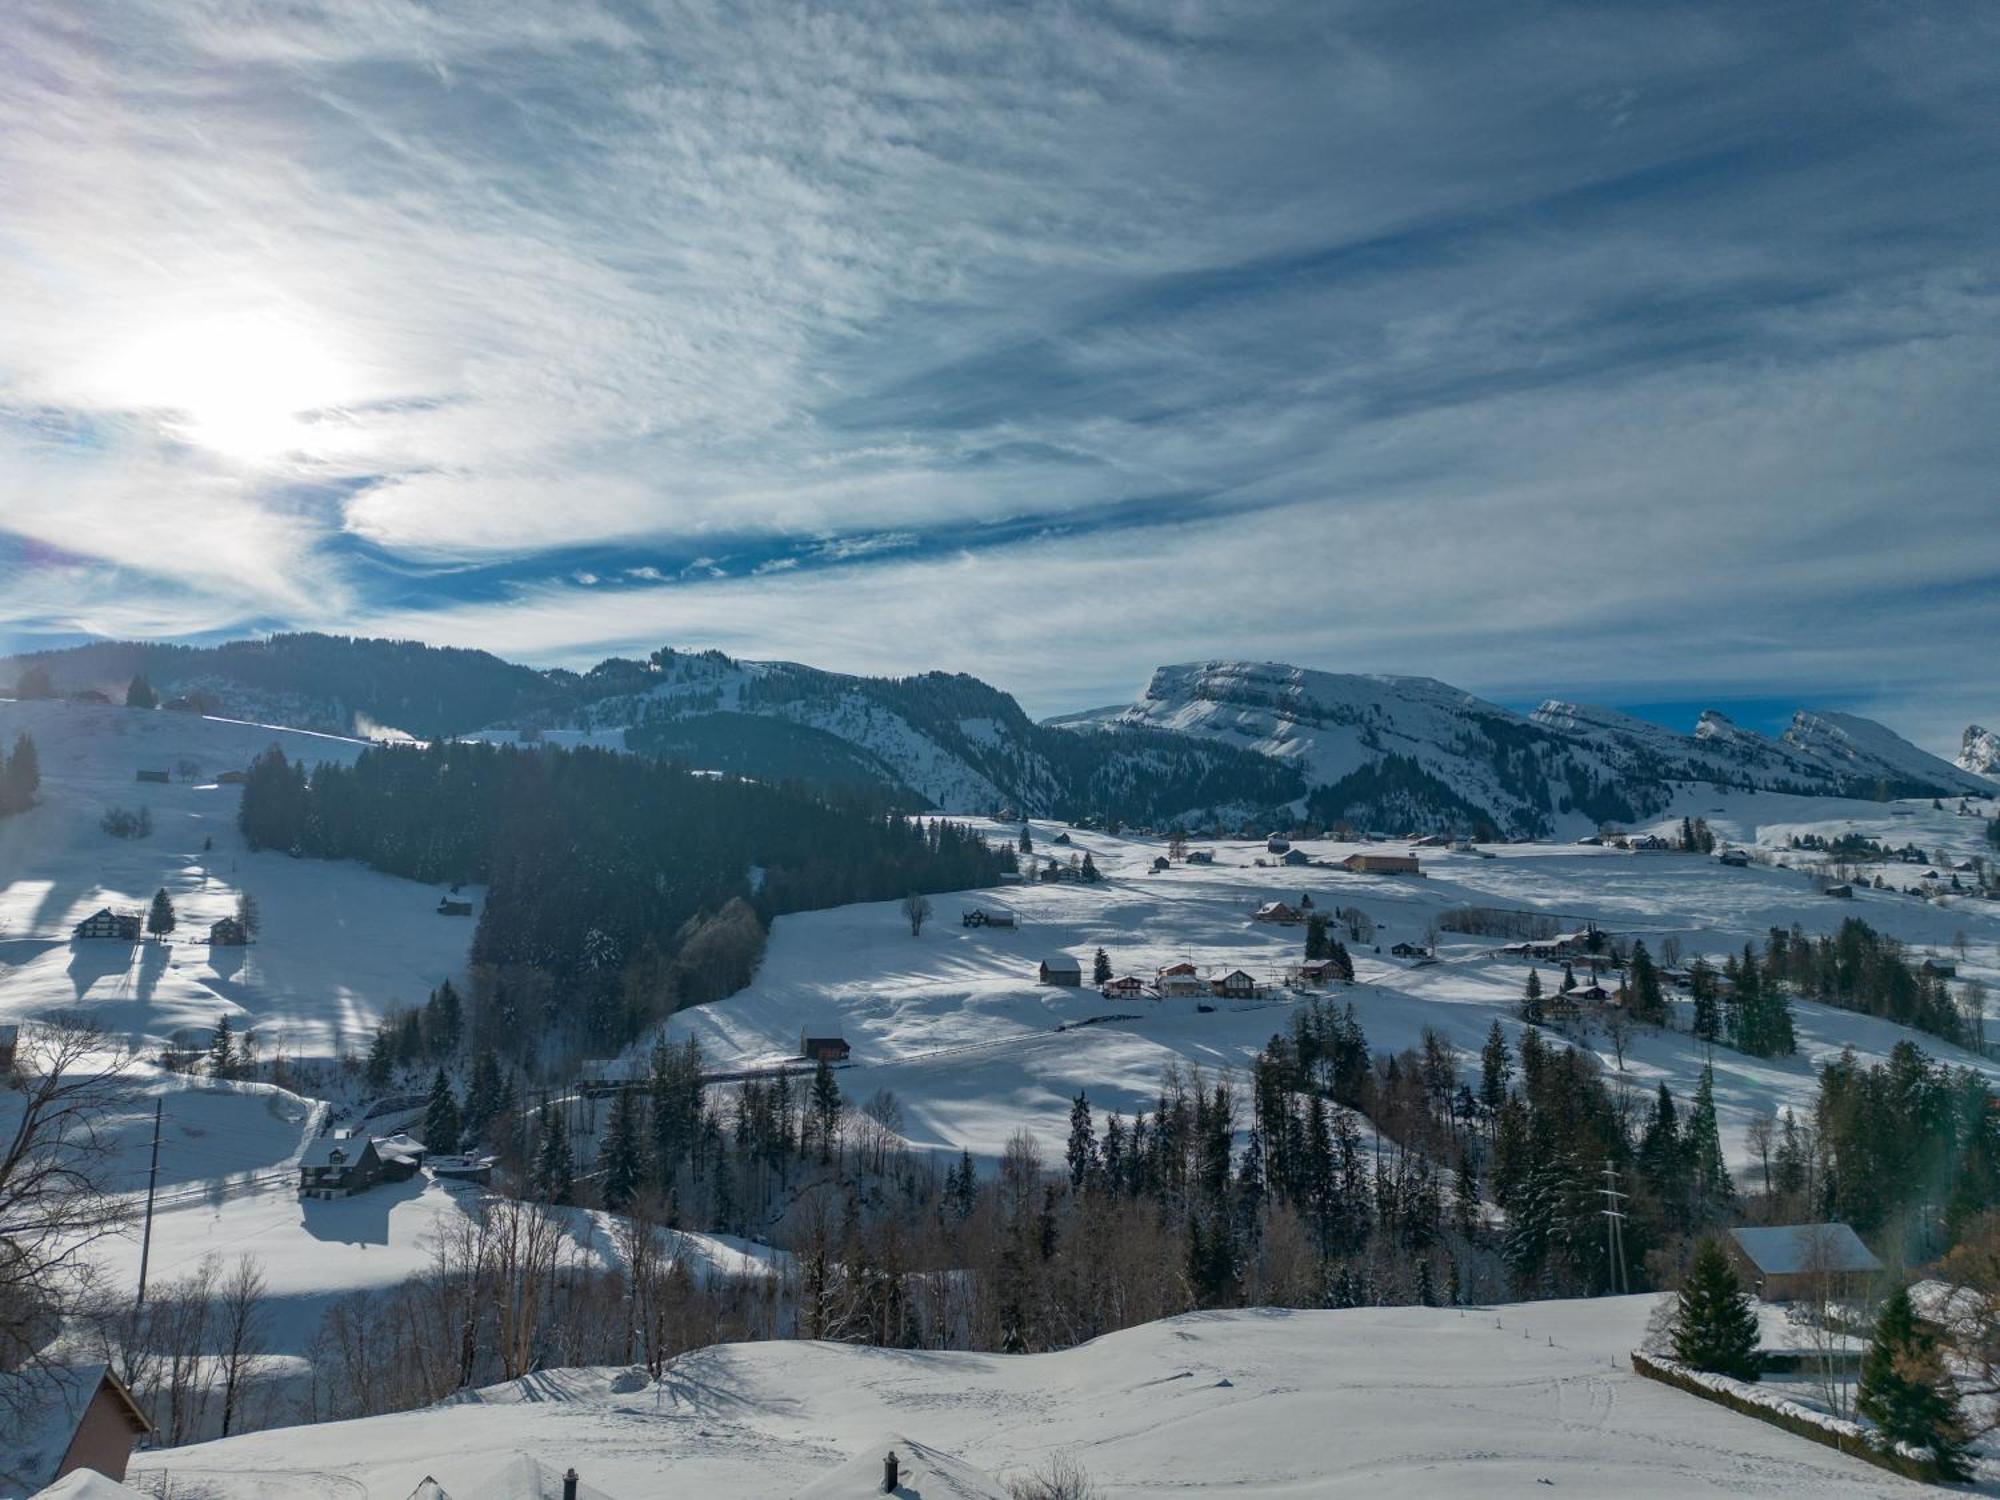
(1980,753)
(340,943)
(1401,752)
(1860,750)
(1256,1405)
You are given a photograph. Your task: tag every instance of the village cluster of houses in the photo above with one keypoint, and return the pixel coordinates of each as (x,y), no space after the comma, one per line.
(1187,981)
(126,927)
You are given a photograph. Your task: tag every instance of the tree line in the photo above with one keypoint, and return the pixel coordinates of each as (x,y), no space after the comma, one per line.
(617,890)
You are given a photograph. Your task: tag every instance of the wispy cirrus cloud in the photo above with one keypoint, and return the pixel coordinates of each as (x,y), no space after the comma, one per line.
(1580,349)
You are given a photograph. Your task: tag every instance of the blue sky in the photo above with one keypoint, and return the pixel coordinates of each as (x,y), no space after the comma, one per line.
(1635,354)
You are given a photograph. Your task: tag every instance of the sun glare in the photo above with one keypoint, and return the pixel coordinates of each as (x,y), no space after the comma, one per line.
(241,386)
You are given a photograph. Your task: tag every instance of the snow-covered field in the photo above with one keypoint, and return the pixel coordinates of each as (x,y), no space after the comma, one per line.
(1388,1401)
(340,943)
(955,1024)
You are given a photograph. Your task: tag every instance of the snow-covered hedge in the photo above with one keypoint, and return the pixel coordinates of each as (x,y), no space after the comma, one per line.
(1768,1406)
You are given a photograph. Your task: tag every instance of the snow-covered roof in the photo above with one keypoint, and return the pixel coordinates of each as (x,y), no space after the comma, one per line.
(88,1484)
(47,1404)
(320,1150)
(1785,1249)
(1059,962)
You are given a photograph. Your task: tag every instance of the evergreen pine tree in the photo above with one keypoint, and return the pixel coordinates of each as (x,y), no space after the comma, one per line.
(1709,1175)
(554,1179)
(1531,998)
(1715,1325)
(482,1094)
(441,1122)
(620,1156)
(139,693)
(1649,1003)
(1027,840)
(1100,968)
(1907,1391)
(160,920)
(825,1110)
(381,1059)
(1426,1284)
(1081,1152)
(1707,1008)
(222,1049)
(1496,1068)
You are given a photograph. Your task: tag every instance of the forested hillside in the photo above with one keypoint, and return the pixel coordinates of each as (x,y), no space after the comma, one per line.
(618,889)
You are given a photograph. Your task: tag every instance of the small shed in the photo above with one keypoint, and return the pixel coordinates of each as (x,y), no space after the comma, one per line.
(1277,843)
(69,1417)
(1786,1262)
(401,1154)
(450,908)
(1297,857)
(1161,864)
(338,1165)
(1736,859)
(1841,892)
(227,933)
(828,1047)
(1061,969)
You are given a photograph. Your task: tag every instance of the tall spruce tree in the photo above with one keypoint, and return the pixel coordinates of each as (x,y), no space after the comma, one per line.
(1100,968)
(554,1178)
(1081,1152)
(1496,1068)
(1715,1325)
(1708,1174)
(826,1110)
(1531,998)
(160,919)
(441,1122)
(1907,1390)
(621,1157)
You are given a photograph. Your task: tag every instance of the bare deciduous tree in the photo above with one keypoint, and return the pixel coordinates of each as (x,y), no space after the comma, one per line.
(240,1335)
(56,1153)
(916,910)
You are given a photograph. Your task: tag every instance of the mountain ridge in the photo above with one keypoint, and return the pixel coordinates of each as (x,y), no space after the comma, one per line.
(1217,742)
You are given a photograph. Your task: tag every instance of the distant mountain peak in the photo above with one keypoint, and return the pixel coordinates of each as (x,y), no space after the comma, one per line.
(1979,752)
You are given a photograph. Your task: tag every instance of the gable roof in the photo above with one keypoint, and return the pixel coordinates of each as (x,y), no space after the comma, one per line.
(49,1403)
(1785,1249)
(319,1150)
(1062,962)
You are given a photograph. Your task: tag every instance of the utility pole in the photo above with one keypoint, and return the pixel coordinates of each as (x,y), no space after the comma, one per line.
(1614,1226)
(146,1242)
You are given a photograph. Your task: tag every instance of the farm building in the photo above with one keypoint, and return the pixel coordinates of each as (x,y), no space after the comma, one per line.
(1201,857)
(158,776)
(1277,843)
(338,1165)
(1408,950)
(829,1047)
(1649,843)
(1736,859)
(1786,1261)
(65,1418)
(1314,973)
(1161,863)
(450,908)
(106,923)
(401,1155)
(227,933)
(1061,969)
(980,916)
(1297,857)
(1840,892)
(1278,911)
(1124,987)
(1381,864)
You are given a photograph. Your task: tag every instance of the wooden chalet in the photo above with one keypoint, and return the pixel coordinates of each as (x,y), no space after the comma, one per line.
(338,1166)
(981,916)
(1124,987)
(227,933)
(829,1048)
(1235,985)
(105,923)
(1788,1262)
(1280,912)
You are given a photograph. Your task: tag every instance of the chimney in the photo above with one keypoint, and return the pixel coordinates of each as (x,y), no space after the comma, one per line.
(569,1485)
(889,1473)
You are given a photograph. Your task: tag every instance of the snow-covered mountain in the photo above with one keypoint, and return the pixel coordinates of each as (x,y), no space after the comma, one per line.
(1414,752)
(1980,753)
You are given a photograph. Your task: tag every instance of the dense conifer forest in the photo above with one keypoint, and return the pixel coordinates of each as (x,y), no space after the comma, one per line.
(617,889)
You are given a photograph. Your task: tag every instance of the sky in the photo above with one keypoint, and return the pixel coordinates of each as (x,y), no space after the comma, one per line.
(1628,353)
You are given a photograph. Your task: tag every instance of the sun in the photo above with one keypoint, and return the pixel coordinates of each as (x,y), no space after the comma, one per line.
(245,386)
